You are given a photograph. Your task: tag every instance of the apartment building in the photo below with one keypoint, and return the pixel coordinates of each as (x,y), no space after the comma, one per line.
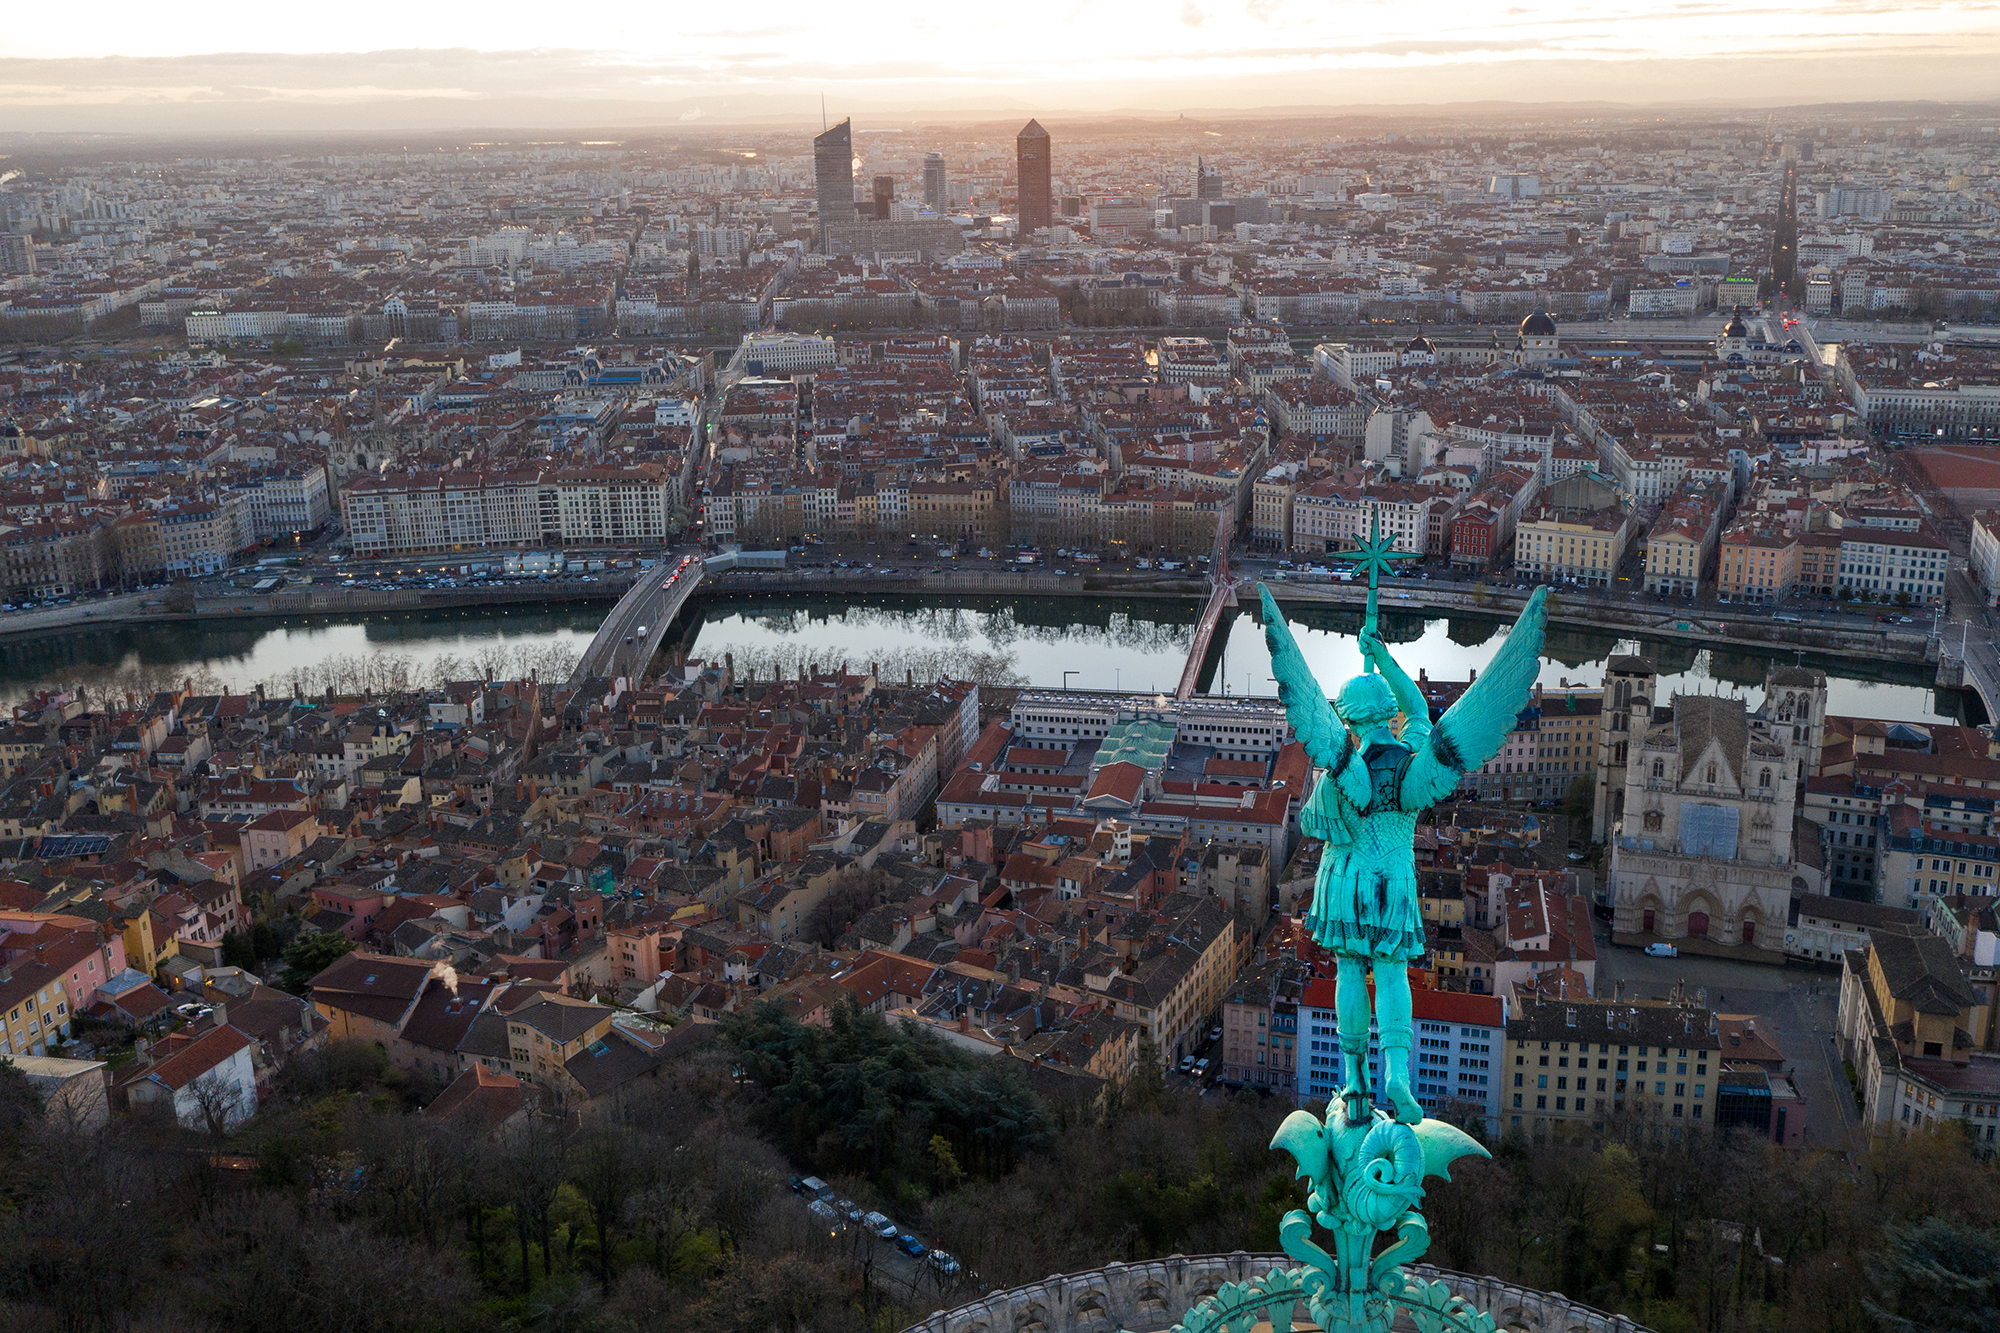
(1572,1066)
(1917,1033)
(1886,564)
(1455,1059)
(1758,563)
(1260,1026)
(1576,546)
(1682,543)
(473,511)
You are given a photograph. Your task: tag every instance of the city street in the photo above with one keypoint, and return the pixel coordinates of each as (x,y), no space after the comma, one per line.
(1795,1007)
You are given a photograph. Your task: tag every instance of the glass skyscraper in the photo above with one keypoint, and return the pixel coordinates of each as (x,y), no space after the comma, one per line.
(833,174)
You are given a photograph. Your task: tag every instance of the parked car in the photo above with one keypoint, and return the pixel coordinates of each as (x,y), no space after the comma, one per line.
(848,1209)
(823,1210)
(880,1225)
(943,1262)
(911,1246)
(1662,951)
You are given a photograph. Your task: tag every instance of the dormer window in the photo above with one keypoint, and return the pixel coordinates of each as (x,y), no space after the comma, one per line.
(1711,773)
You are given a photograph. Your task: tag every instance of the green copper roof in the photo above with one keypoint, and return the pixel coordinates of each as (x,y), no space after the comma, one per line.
(1141,741)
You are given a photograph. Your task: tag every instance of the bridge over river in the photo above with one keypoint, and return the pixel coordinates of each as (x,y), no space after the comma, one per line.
(631,635)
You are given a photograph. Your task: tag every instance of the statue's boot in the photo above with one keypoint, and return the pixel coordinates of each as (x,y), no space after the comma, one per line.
(1396,1077)
(1354,1097)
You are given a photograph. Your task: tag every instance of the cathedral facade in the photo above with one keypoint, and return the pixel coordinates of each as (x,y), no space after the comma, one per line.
(1703,846)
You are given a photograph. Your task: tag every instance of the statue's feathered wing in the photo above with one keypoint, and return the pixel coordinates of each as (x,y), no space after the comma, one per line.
(1328,814)
(1306,706)
(1473,729)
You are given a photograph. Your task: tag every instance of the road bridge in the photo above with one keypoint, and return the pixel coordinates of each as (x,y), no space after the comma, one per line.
(630,636)
(1222,595)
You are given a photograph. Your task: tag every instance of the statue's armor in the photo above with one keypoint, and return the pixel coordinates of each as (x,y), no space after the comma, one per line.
(1365,899)
(1387,762)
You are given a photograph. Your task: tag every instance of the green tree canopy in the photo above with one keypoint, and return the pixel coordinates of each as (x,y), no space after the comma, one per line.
(874,1097)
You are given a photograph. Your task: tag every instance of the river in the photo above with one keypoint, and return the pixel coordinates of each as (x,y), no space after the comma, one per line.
(1049,641)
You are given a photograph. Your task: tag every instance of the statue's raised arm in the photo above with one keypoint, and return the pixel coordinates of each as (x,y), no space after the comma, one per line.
(1409,698)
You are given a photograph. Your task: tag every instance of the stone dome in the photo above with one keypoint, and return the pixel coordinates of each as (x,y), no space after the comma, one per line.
(1736,328)
(1420,344)
(1156,1293)
(1538,325)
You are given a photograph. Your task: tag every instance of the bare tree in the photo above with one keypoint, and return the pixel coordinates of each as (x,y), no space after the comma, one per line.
(609,1166)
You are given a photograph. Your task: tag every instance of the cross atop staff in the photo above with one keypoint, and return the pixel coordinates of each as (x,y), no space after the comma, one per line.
(1375,556)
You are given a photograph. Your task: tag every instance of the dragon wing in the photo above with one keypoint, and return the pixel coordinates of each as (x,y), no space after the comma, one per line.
(1306,706)
(1304,1137)
(1473,729)
(1444,1143)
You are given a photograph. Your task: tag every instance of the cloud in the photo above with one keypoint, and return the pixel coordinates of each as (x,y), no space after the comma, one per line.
(1192,16)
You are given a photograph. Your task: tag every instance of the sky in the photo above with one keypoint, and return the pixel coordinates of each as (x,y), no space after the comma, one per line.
(141,65)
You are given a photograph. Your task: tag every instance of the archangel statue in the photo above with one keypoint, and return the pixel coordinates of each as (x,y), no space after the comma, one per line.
(1384,764)
(1378,778)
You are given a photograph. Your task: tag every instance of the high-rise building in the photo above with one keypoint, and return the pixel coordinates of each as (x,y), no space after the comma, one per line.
(937,197)
(1207,181)
(17,253)
(833,174)
(1031,156)
(885,195)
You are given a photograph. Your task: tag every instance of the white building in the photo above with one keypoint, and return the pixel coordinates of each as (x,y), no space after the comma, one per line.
(1886,563)
(210,1082)
(780,355)
(1455,1063)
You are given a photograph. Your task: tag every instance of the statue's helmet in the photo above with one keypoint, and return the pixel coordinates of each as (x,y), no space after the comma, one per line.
(1365,702)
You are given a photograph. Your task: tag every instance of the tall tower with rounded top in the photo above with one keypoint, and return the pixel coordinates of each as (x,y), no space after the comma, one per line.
(1031,157)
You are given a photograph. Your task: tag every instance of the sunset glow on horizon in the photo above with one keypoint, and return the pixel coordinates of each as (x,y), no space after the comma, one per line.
(1059,52)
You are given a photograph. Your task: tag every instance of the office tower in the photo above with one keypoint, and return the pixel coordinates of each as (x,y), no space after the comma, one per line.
(1207,181)
(1031,155)
(936,197)
(833,174)
(885,194)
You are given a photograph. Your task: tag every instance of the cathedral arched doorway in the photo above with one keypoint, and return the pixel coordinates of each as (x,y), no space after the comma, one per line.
(1698,925)
(1749,932)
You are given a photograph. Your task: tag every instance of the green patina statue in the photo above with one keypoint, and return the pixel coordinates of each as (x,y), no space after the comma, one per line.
(1365,1167)
(1378,779)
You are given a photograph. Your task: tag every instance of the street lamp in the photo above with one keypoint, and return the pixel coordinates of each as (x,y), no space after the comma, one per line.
(1066,675)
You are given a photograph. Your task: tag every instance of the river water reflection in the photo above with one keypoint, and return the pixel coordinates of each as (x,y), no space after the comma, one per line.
(1108,643)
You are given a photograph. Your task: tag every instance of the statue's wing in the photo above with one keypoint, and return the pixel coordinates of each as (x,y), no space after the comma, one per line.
(1444,1143)
(1306,707)
(1473,729)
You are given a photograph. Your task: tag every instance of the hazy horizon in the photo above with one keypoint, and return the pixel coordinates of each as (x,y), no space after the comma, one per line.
(145,70)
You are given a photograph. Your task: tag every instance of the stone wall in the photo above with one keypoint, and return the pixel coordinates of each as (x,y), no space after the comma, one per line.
(1153,1296)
